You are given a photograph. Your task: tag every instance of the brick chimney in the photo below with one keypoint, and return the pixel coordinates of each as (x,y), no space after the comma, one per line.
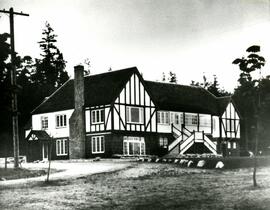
(77,119)
(78,87)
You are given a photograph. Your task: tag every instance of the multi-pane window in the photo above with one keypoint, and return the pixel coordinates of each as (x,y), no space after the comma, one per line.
(98,116)
(191,119)
(163,117)
(61,147)
(176,118)
(44,123)
(133,145)
(98,144)
(163,142)
(232,145)
(134,115)
(61,121)
(205,120)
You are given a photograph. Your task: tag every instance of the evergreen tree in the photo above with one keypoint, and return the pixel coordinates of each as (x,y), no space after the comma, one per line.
(172,77)
(87,70)
(212,87)
(5,98)
(163,77)
(5,88)
(50,69)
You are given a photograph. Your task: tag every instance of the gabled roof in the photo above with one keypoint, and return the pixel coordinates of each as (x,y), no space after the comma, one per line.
(184,98)
(100,89)
(38,135)
(223,103)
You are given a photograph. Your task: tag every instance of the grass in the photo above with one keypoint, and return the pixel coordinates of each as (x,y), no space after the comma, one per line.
(11,173)
(146,186)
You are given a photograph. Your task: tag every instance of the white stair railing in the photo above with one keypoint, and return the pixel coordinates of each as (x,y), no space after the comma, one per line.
(187,144)
(210,144)
(174,143)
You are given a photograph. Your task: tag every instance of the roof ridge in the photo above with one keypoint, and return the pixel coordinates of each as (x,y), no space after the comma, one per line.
(168,83)
(220,97)
(47,98)
(113,71)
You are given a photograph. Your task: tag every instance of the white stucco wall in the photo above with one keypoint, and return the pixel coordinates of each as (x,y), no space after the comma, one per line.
(52,130)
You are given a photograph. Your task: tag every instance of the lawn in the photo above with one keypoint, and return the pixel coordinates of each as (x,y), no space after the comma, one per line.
(11,173)
(146,186)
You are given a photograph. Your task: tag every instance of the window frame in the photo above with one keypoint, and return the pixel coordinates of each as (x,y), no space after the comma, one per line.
(163,118)
(129,117)
(97,117)
(162,140)
(205,120)
(44,121)
(133,140)
(190,118)
(229,146)
(59,118)
(63,147)
(97,144)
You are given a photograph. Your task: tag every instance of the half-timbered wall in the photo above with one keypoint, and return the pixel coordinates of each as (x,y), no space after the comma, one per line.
(230,123)
(134,99)
(119,115)
(98,118)
(52,129)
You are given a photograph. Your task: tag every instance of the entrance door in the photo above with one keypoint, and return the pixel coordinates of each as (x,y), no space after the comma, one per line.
(134,145)
(45,151)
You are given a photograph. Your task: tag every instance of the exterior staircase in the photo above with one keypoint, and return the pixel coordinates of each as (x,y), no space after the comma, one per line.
(185,138)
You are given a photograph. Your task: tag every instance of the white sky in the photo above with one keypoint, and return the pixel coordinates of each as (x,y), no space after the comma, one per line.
(190,38)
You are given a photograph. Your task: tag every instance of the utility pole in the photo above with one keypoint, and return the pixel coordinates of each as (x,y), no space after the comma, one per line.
(14,104)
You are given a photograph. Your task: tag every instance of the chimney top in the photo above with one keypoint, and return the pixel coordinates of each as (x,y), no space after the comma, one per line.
(78,67)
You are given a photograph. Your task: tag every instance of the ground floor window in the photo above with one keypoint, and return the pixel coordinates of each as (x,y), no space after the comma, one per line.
(98,144)
(133,145)
(232,145)
(163,142)
(61,147)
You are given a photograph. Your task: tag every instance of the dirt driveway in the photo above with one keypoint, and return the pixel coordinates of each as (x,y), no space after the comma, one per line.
(71,169)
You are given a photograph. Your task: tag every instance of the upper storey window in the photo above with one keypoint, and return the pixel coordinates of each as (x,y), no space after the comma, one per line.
(134,115)
(191,119)
(61,121)
(163,118)
(44,123)
(97,116)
